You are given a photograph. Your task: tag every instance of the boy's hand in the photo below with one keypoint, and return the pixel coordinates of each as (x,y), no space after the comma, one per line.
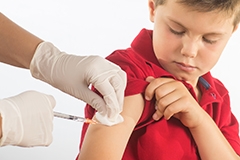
(173,99)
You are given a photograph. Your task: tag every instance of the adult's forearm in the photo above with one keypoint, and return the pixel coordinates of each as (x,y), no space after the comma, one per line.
(211,142)
(17,45)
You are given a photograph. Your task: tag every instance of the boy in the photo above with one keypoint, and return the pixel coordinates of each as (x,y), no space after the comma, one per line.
(189,117)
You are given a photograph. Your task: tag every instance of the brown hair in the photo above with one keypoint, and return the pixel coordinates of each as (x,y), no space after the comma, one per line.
(229,7)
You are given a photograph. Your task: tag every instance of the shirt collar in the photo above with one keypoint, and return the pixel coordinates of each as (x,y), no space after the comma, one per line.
(142,44)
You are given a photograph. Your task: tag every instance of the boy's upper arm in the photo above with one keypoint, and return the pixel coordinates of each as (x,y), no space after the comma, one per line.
(104,142)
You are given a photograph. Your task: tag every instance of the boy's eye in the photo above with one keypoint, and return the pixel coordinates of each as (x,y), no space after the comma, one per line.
(209,41)
(177,32)
(180,33)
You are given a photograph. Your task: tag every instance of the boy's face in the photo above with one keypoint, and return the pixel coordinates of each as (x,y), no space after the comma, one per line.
(188,43)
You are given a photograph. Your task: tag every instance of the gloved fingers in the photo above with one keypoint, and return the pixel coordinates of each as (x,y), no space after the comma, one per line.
(40,119)
(50,100)
(119,84)
(112,89)
(94,100)
(40,133)
(35,102)
(111,101)
(12,128)
(112,106)
(32,115)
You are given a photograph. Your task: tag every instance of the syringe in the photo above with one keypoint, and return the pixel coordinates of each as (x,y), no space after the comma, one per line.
(74,118)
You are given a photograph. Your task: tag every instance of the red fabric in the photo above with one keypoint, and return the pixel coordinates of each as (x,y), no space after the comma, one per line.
(167,140)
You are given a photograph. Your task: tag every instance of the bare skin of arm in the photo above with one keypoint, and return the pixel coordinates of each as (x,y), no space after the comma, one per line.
(104,142)
(17,45)
(211,142)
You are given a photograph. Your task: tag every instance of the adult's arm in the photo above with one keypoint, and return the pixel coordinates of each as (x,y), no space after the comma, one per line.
(69,73)
(100,140)
(17,46)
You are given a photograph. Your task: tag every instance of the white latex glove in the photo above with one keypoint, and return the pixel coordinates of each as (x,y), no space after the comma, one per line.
(73,74)
(27,119)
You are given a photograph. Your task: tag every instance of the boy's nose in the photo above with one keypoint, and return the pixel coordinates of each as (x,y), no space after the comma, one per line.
(189,48)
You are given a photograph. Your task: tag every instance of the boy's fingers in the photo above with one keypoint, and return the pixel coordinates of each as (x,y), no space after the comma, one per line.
(153,85)
(150,90)
(157,115)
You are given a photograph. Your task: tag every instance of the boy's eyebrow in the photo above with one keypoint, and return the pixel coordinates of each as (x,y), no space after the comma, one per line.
(211,33)
(176,22)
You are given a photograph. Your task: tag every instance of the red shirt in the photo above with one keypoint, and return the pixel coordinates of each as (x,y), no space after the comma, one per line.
(167,140)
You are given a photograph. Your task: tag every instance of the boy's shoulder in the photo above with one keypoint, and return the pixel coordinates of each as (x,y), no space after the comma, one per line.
(125,56)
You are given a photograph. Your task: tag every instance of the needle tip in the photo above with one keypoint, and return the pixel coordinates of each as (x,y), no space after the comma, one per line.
(90,121)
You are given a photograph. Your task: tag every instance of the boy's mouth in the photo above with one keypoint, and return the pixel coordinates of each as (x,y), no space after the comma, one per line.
(185,67)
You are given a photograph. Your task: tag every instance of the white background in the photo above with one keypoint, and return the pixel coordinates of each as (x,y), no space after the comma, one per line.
(85,28)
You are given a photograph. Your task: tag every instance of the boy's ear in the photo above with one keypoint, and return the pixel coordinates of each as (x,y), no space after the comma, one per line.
(151,6)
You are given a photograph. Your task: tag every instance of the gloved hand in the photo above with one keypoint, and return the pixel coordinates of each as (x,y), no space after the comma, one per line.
(73,74)
(27,119)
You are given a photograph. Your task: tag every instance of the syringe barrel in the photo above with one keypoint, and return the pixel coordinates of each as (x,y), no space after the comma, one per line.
(61,115)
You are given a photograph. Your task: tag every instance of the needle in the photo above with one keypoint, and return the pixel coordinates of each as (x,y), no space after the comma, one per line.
(74,118)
